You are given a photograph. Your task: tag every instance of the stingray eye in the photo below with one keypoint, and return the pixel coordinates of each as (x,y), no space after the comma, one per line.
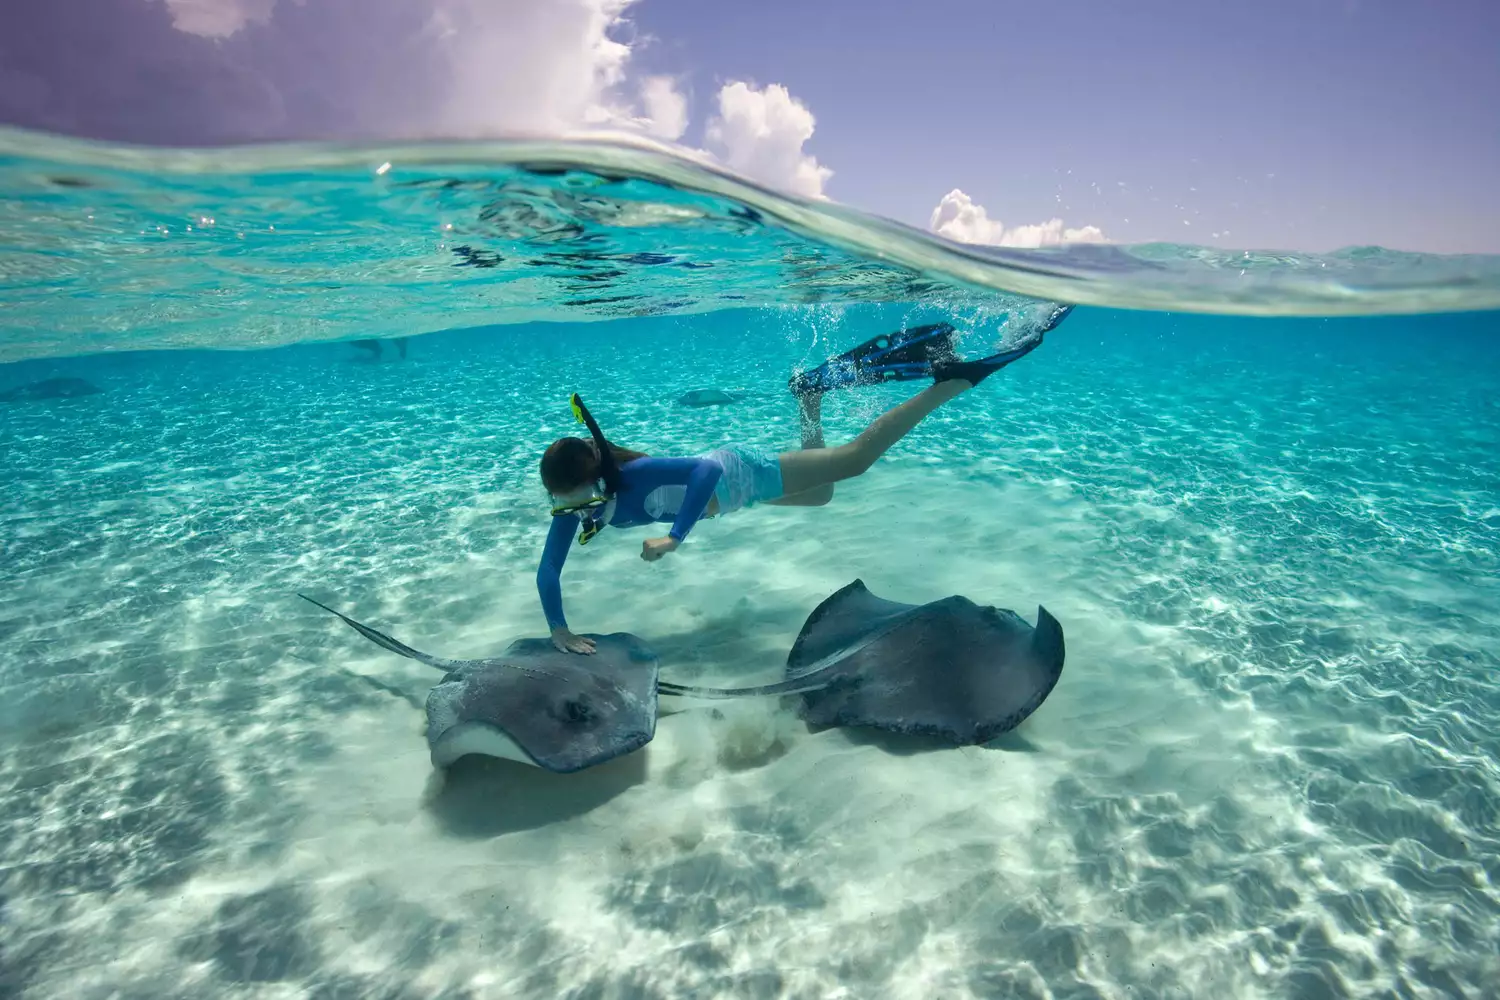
(577,710)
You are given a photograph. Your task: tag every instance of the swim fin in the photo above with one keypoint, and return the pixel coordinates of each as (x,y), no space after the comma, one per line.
(975,372)
(890,357)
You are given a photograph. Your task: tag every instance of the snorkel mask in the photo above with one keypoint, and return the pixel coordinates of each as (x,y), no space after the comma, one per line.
(595,511)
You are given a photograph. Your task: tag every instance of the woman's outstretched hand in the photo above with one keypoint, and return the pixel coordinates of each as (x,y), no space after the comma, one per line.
(570,643)
(653,549)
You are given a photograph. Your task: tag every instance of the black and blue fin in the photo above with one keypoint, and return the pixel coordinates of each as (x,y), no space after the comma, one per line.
(977,371)
(383,640)
(891,357)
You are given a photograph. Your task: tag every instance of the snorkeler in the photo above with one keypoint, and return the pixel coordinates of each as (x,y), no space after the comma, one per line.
(600,483)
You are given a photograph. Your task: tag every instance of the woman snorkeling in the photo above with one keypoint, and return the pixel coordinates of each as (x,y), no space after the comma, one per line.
(599,483)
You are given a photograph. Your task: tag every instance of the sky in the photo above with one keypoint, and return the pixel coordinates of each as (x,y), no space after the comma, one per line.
(1283,124)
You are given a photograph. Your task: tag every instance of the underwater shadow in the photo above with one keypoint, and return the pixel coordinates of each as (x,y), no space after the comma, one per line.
(381,686)
(480,797)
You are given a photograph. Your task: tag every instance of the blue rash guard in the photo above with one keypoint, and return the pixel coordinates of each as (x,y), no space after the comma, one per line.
(651,490)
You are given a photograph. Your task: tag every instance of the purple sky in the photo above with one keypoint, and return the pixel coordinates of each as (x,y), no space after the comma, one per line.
(1292,124)
(1380,121)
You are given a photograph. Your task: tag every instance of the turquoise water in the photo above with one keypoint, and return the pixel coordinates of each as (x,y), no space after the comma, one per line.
(1269,770)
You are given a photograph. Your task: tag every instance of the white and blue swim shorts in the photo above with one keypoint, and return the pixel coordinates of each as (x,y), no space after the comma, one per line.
(750,476)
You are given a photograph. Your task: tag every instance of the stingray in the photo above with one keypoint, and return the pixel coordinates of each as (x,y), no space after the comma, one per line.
(950,669)
(706,397)
(51,388)
(559,711)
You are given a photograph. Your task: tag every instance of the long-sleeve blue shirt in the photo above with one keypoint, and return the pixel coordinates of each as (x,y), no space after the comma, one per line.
(651,490)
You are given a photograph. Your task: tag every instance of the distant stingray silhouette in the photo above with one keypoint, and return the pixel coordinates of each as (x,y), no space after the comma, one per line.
(51,388)
(706,397)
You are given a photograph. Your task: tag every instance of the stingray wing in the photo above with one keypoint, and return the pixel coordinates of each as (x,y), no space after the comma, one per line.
(849,618)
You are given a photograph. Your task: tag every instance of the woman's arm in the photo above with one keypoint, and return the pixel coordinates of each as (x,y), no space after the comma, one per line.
(701,480)
(549,585)
(699,475)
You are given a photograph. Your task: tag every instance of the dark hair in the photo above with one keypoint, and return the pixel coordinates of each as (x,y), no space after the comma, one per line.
(571,462)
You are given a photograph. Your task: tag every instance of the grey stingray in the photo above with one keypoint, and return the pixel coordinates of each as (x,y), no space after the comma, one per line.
(950,669)
(706,397)
(50,388)
(560,711)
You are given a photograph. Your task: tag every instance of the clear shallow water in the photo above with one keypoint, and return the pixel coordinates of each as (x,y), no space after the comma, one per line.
(1269,769)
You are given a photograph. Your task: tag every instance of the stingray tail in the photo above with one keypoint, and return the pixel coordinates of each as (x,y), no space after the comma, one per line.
(381,639)
(799,685)
(1047,640)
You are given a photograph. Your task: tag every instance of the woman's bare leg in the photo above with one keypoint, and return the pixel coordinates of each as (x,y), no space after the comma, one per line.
(812,439)
(813,470)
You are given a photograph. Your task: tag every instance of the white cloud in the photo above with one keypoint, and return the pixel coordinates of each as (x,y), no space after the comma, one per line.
(435,68)
(960,218)
(665,107)
(760,134)
(414,69)
(519,65)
